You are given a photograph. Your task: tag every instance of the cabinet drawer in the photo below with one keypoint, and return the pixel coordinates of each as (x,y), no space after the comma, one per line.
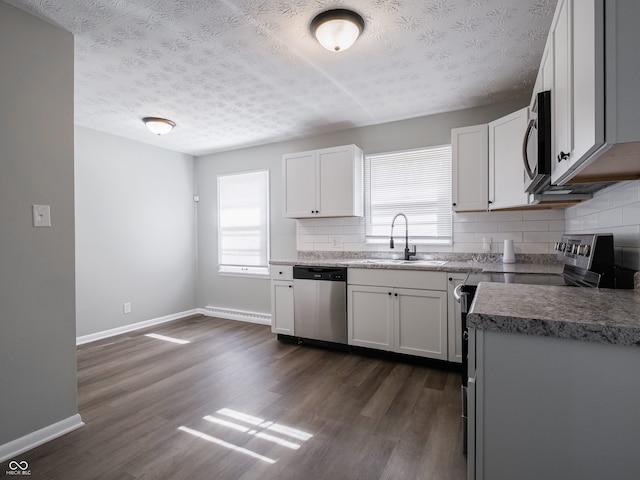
(281,272)
(398,278)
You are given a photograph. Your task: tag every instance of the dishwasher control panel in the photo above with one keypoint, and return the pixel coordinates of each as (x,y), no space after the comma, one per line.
(336,274)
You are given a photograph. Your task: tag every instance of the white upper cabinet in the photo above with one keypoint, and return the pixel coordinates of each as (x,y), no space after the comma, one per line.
(470,174)
(562,91)
(595,94)
(506,164)
(488,168)
(324,183)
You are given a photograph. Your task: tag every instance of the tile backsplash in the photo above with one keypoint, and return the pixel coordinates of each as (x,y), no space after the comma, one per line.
(616,210)
(532,232)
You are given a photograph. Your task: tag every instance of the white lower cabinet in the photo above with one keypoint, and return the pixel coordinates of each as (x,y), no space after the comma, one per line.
(282,300)
(370,317)
(385,315)
(420,322)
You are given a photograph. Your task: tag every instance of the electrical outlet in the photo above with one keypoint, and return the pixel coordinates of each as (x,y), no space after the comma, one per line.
(335,242)
(486,244)
(126,307)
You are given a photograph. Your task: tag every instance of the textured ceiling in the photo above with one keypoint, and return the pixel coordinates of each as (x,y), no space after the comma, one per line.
(234,73)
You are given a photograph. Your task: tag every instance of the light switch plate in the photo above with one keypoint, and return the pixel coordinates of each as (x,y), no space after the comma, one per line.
(41,216)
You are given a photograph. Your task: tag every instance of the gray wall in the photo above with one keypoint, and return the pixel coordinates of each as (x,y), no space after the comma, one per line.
(37,288)
(135,231)
(253,294)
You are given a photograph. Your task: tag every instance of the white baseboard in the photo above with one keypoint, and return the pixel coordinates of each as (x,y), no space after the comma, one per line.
(233,314)
(37,438)
(135,326)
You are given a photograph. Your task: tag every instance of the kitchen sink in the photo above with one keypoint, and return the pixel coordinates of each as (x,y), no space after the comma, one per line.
(387,261)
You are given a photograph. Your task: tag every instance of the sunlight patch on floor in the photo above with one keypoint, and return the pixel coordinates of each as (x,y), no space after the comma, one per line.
(269,431)
(167,339)
(228,445)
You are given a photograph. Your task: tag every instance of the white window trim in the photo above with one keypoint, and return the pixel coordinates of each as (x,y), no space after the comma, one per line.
(246,270)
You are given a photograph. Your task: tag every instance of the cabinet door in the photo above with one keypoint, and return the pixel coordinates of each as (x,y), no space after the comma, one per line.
(588,80)
(506,165)
(299,172)
(454,319)
(562,103)
(340,181)
(470,176)
(420,321)
(369,316)
(282,307)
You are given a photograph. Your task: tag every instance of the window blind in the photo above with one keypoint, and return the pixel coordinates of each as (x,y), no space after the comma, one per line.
(416,183)
(243,223)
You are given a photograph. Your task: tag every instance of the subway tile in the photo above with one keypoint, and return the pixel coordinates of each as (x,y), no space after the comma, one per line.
(508,216)
(535,248)
(353,229)
(475,227)
(304,229)
(464,237)
(625,193)
(499,238)
(539,237)
(346,221)
(595,205)
(631,214)
(610,218)
(324,247)
(570,213)
(306,239)
(305,247)
(467,248)
(626,236)
(589,222)
(532,215)
(556,225)
(573,225)
(315,222)
(525,226)
(328,230)
(464,217)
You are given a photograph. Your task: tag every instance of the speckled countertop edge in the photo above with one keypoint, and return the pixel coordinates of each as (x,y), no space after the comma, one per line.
(587,314)
(456,263)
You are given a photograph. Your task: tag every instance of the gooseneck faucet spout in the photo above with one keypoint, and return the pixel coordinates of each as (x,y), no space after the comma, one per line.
(407,254)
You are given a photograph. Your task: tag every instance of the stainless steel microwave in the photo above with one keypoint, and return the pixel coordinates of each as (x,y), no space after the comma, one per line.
(536,148)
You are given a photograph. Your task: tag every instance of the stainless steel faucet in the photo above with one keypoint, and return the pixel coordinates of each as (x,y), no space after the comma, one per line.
(407,254)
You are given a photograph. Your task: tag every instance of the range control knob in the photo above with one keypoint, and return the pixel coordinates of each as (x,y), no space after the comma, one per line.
(584,250)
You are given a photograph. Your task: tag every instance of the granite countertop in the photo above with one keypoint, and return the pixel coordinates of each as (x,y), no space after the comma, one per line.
(428,265)
(587,314)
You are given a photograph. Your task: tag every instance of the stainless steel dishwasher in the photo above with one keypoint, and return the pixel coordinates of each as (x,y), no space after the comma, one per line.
(320,303)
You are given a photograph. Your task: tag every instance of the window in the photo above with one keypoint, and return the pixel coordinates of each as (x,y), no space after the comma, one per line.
(416,183)
(243,223)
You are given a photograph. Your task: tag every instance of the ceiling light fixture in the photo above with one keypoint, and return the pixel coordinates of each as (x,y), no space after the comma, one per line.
(338,29)
(159,126)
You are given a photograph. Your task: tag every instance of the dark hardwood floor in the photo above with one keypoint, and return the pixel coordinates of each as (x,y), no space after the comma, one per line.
(236,404)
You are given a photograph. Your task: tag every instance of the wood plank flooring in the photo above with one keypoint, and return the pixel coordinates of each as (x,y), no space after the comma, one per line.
(236,404)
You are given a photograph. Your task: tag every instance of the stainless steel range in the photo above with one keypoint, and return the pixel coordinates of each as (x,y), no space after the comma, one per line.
(588,261)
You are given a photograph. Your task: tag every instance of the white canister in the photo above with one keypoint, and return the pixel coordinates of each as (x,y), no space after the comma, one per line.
(508,255)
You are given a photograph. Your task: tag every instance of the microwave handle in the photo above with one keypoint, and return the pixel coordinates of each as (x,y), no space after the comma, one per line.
(525,157)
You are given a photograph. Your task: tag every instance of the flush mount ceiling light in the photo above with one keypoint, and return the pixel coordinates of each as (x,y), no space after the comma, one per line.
(159,126)
(338,29)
